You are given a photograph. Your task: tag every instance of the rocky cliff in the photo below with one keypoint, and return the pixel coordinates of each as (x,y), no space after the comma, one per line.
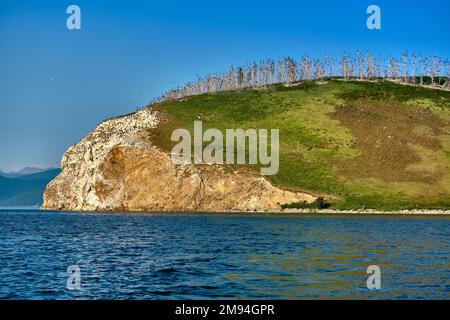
(117,168)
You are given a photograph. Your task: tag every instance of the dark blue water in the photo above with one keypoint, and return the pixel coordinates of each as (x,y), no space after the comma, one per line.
(124,256)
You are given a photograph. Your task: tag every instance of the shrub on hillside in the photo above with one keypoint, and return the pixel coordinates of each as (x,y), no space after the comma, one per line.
(319,203)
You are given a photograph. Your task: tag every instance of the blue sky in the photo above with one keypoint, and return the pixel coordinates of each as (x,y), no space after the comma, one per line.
(57,84)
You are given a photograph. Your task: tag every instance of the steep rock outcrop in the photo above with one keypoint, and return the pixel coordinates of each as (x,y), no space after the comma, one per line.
(117,168)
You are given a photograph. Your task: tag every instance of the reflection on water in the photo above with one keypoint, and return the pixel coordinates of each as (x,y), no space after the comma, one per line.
(124,256)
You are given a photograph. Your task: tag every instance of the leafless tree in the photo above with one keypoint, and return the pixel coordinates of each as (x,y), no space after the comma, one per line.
(394,69)
(287,70)
(347,66)
(405,62)
(370,66)
(423,67)
(435,69)
(240,77)
(305,70)
(271,71)
(279,71)
(447,72)
(344,66)
(329,65)
(319,70)
(377,68)
(413,67)
(359,65)
(291,68)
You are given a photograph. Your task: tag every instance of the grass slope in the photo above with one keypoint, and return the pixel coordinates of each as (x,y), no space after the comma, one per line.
(25,190)
(376,145)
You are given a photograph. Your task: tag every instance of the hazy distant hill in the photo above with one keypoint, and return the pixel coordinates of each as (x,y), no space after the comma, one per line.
(30,170)
(24,171)
(8,175)
(25,189)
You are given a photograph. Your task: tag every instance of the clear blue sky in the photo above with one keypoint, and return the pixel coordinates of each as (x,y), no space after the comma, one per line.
(57,84)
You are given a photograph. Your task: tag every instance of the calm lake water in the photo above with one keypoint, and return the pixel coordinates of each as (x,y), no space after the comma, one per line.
(131,256)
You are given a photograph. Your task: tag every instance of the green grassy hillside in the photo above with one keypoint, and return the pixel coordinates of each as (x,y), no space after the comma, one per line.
(365,144)
(25,190)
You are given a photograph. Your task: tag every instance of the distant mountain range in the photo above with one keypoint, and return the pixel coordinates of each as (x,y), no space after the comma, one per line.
(23,171)
(22,189)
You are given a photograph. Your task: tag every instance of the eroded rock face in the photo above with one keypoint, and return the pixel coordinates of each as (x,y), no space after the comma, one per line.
(116,168)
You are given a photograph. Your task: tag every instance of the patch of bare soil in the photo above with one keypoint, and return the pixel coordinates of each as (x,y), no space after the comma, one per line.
(386,133)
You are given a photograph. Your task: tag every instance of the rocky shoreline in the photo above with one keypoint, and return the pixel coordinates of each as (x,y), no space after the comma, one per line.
(368,212)
(287,212)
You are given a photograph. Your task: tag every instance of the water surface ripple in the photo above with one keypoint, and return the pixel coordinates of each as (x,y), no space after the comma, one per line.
(132,256)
